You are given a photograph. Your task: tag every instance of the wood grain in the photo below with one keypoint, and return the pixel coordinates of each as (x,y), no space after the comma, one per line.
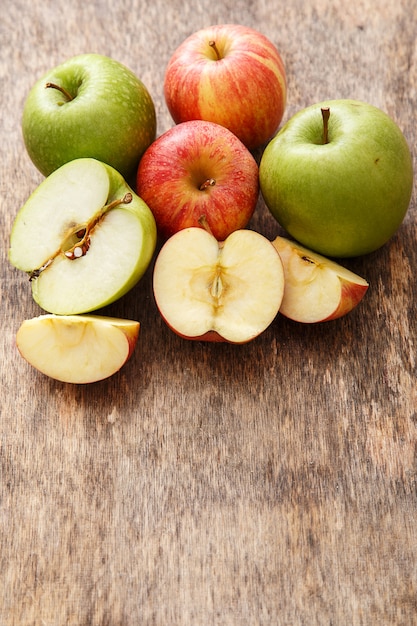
(272,483)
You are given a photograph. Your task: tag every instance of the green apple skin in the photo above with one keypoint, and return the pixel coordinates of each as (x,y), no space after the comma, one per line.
(120,250)
(343,198)
(111,116)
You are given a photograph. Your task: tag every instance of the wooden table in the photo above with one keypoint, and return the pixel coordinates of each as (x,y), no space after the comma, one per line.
(273,483)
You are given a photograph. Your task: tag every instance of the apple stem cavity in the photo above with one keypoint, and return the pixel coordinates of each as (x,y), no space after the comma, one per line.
(213,46)
(325,113)
(210,182)
(66,93)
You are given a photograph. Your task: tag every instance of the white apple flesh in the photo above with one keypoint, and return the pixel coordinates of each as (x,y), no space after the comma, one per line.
(84,237)
(77,348)
(316,289)
(229,292)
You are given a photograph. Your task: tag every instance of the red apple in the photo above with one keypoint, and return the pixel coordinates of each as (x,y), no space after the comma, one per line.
(232,75)
(316,289)
(198,169)
(229,291)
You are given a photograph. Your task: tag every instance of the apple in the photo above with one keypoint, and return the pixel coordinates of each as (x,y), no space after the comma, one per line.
(89,106)
(316,289)
(199,168)
(232,75)
(77,348)
(84,237)
(229,291)
(338,177)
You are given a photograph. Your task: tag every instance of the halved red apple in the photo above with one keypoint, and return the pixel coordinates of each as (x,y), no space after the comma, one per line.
(229,291)
(316,289)
(77,348)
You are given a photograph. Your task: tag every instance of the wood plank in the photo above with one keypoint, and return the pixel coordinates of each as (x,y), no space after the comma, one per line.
(271,483)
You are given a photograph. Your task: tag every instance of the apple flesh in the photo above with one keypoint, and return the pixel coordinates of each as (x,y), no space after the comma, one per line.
(197,169)
(77,348)
(229,291)
(338,177)
(89,106)
(316,289)
(84,237)
(232,75)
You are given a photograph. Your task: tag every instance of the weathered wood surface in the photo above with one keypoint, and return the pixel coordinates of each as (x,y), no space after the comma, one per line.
(273,483)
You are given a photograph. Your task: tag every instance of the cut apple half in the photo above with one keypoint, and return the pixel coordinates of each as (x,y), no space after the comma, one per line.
(84,238)
(229,291)
(316,289)
(77,348)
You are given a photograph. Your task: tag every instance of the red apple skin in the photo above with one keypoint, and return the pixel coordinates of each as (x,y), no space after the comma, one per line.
(351,295)
(211,336)
(245,90)
(175,166)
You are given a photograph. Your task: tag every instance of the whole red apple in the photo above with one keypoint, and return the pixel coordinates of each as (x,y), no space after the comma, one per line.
(232,75)
(199,170)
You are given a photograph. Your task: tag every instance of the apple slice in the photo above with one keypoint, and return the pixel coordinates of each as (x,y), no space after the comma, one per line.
(84,237)
(316,288)
(229,291)
(77,348)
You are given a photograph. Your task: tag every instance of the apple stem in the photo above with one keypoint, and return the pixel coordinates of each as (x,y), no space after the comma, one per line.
(80,248)
(202,220)
(210,182)
(212,45)
(61,89)
(325,113)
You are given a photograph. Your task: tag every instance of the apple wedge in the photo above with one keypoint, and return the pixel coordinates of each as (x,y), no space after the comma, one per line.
(77,348)
(229,291)
(316,289)
(84,237)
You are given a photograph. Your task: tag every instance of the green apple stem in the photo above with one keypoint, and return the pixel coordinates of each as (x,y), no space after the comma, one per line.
(325,113)
(210,182)
(81,247)
(82,234)
(61,89)
(212,45)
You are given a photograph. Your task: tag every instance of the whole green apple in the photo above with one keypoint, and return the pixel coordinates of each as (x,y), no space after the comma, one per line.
(338,177)
(90,106)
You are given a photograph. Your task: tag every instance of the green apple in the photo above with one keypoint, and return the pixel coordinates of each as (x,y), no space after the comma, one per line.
(338,177)
(77,348)
(90,106)
(84,237)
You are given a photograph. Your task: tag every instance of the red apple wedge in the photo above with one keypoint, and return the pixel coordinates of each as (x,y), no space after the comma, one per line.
(316,289)
(77,348)
(229,291)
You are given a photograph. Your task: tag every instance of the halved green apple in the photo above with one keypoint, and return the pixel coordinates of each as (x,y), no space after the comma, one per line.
(84,237)
(77,348)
